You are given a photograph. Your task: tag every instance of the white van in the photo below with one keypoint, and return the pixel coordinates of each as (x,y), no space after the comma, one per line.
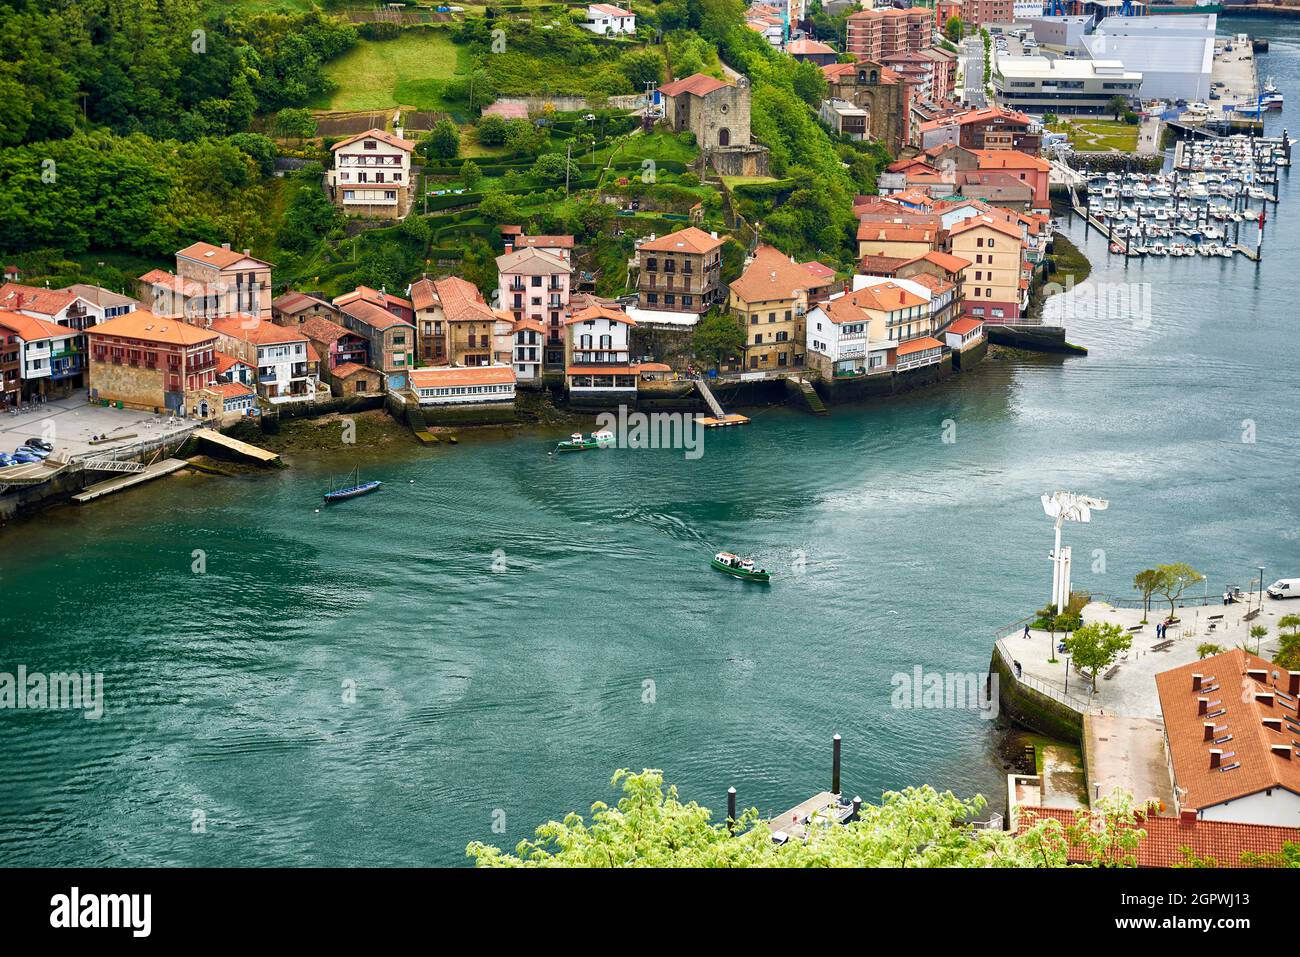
(1285,588)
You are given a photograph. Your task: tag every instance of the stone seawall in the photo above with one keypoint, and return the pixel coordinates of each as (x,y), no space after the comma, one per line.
(1031,708)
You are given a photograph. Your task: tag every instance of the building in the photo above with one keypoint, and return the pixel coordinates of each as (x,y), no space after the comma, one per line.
(680,272)
(65,308)
(771,300)
(900,239)
(869,331)
(1062,34)
(153,363)
(371,175)
(980,12)
(965,333)
(717,113)
(993,128)
(845,119)
(561,246)
(1033,171)
(478,386)
(294,308)
(529,343)
(1173,53)
(878,90)
(287,365)
(210,281)
(813,51)
(993,285)
(390,340)
(874,34)
(111,304)
(351,378)
(401,308)
(929,74)
(11,365)
(334,344)
(609,21)
(1064,86)
(1230,727)
(454,316)
(535,283)
(40,352)
(597,352)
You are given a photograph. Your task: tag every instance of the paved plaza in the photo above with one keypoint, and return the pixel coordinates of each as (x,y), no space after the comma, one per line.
(69,424)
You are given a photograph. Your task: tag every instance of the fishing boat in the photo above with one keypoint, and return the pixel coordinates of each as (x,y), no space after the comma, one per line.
(579,443)
(739,567)
(357,488)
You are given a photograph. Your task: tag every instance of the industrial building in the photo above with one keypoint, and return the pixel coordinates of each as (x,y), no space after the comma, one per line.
(1174,53)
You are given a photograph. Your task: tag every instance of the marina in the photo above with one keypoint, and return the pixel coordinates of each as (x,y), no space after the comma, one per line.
(1214,202)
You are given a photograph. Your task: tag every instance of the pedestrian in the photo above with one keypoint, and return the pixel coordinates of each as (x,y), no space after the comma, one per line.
(1026,630)
(1018,668)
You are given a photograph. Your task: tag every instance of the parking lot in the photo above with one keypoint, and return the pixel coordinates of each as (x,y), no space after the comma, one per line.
(69,424)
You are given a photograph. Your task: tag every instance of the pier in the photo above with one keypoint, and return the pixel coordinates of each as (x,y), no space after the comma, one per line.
(719,419)
(236,446)
(146,473)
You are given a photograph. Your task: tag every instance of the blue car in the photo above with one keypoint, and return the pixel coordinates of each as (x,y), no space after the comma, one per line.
(33,450)
(5,459)
(25,457)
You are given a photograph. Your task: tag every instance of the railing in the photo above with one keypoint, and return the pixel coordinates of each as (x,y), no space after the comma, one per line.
(1056,694)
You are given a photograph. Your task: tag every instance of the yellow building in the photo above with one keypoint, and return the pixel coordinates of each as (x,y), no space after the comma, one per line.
(770,299)
(993,287)
(899,240)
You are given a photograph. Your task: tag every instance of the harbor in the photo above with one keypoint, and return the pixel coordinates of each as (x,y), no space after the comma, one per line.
(1214,202)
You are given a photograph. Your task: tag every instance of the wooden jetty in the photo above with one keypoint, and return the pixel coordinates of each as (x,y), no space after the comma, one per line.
(719,419)
(236,446)
(146,474)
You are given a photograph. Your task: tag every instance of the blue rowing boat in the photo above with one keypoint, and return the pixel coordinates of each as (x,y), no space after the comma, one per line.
(352,491)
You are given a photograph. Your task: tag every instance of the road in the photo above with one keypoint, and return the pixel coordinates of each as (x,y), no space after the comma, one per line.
(972,54)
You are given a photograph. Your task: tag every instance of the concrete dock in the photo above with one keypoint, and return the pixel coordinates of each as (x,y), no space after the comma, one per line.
(109,486)
(236,446)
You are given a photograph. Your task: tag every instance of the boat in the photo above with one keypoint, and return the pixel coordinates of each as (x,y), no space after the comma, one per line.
(578,443)
(1272,96)
(739,567)
(357,488)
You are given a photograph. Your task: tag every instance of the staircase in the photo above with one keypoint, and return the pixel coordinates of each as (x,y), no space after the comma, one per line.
(814,402)
(709,399)
(112,465)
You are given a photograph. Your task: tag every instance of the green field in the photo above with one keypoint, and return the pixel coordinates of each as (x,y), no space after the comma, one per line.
(1099,135)
(410,71)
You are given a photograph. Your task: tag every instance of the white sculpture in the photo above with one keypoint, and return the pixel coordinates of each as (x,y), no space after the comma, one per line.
(1067,507)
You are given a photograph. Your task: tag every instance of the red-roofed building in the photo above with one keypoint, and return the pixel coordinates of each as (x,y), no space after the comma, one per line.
(680,272)
(597,352)
(390,339)
(473,385)
(873,34)
(209,281)
(282,356)
(877,89)
(154,363)
(717,112)
(32,346)
(991,284)
(608,20)
(813,51)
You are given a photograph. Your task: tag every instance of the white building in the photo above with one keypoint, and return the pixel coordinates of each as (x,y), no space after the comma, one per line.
(371,175)
(528,339)
(1064,86)
(1174,53)
(283,356)
(597,356)
(39,344)
(609,21)
(469,385)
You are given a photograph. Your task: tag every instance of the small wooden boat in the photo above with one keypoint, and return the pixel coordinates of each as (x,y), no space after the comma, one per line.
(578,443)
(738,567)
(357,488)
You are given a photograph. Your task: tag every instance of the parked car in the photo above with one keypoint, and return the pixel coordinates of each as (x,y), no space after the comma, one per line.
(1284,588)
(39,444)
(5,459)
(29,450)
(25,457)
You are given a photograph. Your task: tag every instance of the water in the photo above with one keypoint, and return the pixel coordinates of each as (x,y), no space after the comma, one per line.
(521,691)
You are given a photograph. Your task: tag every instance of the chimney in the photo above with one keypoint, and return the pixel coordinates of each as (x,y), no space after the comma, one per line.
(1196,682)
(1209,731)
(1258,674)
(1216,757)
(1282,751)
(225,245)
(1293,682)
(510,246)
(248,252)
(1187,817)
(1202,705)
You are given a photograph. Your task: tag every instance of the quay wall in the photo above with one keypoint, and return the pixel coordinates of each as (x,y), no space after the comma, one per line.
(839,391)
(1031,708)
(1037,338)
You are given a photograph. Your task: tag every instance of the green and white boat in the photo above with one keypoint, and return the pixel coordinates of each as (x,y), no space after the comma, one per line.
(738,567)
(578,443)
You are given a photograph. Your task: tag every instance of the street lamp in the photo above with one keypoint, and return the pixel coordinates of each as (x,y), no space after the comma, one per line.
(1261,589)
(1067,672)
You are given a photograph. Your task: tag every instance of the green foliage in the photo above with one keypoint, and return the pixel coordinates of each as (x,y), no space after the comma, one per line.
(1108,833)
(551,168)
(651,827)
(953,29)
(443,141)
(717,336)
(1174,579)
(479,265)
(470,174)
(1096,645)
(257,147)
(1207,648)
(499,208)
(491,130)
(308,218)
(297,123)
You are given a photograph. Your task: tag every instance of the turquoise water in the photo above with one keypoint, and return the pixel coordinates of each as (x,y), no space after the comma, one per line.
(482,691)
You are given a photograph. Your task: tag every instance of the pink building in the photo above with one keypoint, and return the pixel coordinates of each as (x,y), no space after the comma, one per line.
(534,283)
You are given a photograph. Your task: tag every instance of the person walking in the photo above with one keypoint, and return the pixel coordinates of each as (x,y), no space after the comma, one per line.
(1026,630)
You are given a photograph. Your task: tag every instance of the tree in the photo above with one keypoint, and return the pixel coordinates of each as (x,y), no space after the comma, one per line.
(259,147)
(1107,833)
(491,130)
(642,67)
(1292,622)
(443,141)
(550,168)
(296,123)
(652,827)
(1118,104)
(499,208)
(1096,645)
(470,174)
(953,29)
(1207,648)
(717,336)
(1148,583)
(1174,580)
(1259,633)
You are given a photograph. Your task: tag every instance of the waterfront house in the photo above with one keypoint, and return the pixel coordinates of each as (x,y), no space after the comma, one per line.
(110,304)
(770,300)
(295,308)
(430,320)
(334,344)
(143,361)
(680,272)
(11,378)
(38,346)
(963,334)
(535,283)
(993,285)
(528,340)
(209,282)
(232,369)
(597,356)
(390,341)
(473,385)
(235,400)
(371,175)
(63,308)
(351,378)
(403,309)
(877,328)
(283,356)
(608,20)
(1230,724)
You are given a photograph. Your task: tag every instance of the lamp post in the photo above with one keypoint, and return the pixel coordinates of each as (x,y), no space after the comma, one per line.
(1261,589)
(1067,672)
